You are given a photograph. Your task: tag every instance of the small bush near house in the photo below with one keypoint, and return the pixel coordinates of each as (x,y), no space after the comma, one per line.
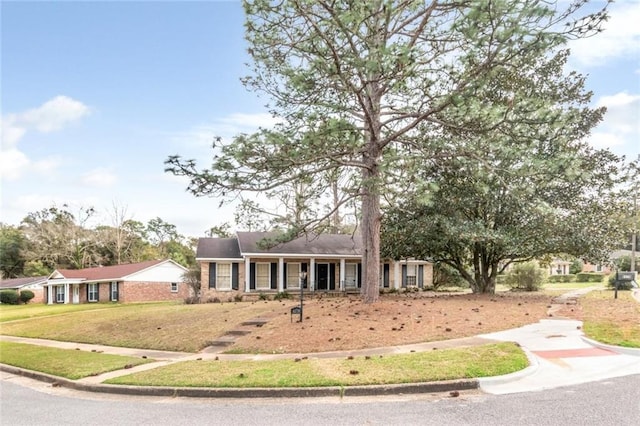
(526,277)
(237,298)
(26,295)
(590,277)
(9,297)
(576,267)
(622,285)
(191,300)
(263,296)
(446,276)
(213,300)
(282,295)
(569,278)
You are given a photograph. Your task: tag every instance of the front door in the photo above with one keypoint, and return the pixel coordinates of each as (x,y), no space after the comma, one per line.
(323,276)
(76,293)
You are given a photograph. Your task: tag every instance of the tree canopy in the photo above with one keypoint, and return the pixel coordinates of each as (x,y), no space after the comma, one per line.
(370,86)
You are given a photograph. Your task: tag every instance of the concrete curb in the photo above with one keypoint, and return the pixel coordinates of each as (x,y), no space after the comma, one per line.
(512,377)
(618,349)
(195,392)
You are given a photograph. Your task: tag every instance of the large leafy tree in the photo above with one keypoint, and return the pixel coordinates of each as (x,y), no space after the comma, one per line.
(59,238)
(528,188)
(389,69)
(12,245)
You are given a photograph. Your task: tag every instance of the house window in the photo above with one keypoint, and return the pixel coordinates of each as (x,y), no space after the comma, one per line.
(598,268)
(223,276)
(174,287)
(60,294)
(350,275)
(411,274)
(114,291)
(262,276)
(293,275)
(92,292)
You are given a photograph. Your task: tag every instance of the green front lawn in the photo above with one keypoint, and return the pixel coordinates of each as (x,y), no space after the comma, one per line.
(449,364)
(611,321)
(67,363)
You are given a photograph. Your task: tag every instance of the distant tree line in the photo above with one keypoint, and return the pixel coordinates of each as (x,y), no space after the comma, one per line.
(56,238)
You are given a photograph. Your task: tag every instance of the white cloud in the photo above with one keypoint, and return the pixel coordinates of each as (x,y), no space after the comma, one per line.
(11,132)
(12,163)
(101,177)
(53,115)
(225,127)
(621,125)
(620,38)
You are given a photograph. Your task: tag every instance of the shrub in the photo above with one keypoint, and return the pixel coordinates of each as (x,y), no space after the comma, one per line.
(213,300)
(446,276)
(570,278)
(263,296)
(192,300)
(26,295)
(590,277)
(526,277)
(282,295)
(9,297)
(237,298)
(576,267)
(622,285)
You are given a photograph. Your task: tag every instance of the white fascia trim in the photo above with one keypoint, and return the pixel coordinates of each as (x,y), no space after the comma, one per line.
(303,255)
(64,281)
(218,259)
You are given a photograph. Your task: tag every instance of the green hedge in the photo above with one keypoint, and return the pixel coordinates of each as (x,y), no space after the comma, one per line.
(9,297)
(590,277)
(569,278)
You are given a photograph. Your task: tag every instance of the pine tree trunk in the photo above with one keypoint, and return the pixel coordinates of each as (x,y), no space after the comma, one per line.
(370,227)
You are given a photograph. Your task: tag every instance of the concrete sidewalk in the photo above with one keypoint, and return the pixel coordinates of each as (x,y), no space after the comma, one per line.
(560,355)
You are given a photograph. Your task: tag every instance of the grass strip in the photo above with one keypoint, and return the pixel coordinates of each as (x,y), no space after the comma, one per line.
(72,364)
(449,364)
(600,312)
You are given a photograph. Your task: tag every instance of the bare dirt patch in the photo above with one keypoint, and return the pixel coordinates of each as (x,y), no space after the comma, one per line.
(344,323)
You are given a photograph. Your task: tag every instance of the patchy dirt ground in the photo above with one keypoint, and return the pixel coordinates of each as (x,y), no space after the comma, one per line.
(343,323)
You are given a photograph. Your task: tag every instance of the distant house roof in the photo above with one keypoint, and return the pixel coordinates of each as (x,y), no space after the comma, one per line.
(247,243)
(21,282)
(107,272)
(218,248)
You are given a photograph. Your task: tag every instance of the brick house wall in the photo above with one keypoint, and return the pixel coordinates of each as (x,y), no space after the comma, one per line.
(130,292)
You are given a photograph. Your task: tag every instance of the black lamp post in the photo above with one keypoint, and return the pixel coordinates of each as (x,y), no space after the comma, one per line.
(303,277)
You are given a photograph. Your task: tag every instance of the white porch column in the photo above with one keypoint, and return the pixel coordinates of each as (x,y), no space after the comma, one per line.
(396,275)
(312,274)
(247,275)
(66,293)
(49,295)
(281,275)
(342,274)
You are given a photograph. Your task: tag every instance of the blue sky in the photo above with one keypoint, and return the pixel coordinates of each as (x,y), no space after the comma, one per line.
(96,95)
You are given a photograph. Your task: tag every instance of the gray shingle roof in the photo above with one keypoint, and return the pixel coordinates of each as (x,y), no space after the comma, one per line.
(21,282)
(218,248)
(327,244)
(247,242)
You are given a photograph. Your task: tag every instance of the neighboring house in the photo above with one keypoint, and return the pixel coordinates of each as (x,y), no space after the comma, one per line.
(151,281)
(590,267)
(559,267)
(35,284)
(329,263)
(607,269)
